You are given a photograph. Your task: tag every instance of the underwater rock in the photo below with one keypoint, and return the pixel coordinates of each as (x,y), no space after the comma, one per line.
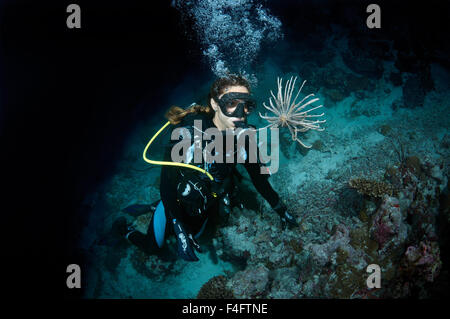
(153,266)
(339,84)
(302,150)
(388,224)
(336,268)
(113,257)
(309,265)
(318,145)
(396,78)
(355,83)
(413,92)
(138,209)
(420,262)
(334,95)
(423,260)
(215,288)
(322,252)
(141,222)
(413,164)
(397,104)
(235,243)
(407,60)
(385,130)
(444,205)
(363,65)
(250,283)
(285,143)
(362,61)
(252,240)
(363,107)
(350,202)
(285,284)
(308,71)
(392,175)
(445,142)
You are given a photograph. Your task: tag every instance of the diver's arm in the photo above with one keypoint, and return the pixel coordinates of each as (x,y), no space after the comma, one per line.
(261,183)
(263,186)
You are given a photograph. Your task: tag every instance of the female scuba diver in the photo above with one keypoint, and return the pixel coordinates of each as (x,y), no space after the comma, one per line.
(188,197)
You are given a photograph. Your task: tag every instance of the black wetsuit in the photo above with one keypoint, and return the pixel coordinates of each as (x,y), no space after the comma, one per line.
(222,184)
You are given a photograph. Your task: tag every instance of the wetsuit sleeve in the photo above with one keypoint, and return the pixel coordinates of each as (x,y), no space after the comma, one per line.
(262,184)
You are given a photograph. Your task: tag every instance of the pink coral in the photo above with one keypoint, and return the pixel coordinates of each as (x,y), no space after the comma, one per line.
(382,232)
(388,223)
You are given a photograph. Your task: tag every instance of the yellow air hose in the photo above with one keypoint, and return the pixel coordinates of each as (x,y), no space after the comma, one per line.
(170,163)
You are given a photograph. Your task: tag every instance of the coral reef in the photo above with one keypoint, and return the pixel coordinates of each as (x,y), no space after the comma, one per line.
(349,201)
(395,230)
(388,225)
(285,284)
(215,288)
(342,229)
(250,283)
(251,241)
(371,187)
(155,267)
(423,261)
(322,253)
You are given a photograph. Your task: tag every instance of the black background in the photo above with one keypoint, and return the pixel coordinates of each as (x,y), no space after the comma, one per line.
(69,99)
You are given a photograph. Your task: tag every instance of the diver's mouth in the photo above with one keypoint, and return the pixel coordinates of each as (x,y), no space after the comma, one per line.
(238,122)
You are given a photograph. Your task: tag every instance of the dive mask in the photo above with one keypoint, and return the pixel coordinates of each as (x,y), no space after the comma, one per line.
(232,104)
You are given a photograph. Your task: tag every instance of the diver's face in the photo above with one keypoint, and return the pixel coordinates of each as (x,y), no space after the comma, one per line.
(221,120)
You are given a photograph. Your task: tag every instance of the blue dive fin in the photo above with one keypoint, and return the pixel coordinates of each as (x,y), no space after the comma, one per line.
(159,224)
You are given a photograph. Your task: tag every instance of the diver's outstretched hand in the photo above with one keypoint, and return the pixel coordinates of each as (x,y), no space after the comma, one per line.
(185,243)
(286,218)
